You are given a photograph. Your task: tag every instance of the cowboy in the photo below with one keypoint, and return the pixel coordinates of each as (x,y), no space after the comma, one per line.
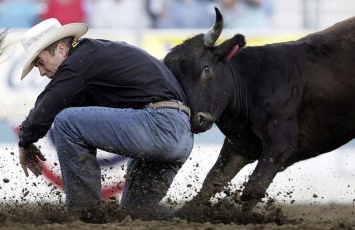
(104,95)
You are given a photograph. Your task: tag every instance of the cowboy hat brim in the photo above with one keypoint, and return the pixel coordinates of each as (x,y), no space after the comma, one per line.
(73,29)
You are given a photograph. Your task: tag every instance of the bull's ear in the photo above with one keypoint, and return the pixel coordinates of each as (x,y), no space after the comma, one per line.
(228,48)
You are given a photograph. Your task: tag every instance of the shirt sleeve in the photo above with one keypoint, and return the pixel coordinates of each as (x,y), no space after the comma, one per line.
(66,89)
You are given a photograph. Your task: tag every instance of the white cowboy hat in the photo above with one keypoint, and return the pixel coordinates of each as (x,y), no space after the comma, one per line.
(44,34)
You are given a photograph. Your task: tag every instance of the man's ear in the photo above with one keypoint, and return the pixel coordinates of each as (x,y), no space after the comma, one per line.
(62,49)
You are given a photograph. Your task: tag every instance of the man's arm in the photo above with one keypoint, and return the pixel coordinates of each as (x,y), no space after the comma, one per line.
(60,93)
(66,89)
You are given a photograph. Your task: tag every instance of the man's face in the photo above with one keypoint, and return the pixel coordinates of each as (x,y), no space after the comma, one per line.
(47,63)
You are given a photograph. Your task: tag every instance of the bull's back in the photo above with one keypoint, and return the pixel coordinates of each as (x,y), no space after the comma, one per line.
(332,49)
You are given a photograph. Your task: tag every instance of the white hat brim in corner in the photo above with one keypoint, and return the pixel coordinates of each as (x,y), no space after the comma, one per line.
(73,29)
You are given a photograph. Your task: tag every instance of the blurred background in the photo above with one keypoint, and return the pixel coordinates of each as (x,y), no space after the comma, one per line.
(156,26)
(179,14)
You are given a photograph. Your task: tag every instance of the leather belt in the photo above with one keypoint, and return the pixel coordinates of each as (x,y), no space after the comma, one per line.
(170,104)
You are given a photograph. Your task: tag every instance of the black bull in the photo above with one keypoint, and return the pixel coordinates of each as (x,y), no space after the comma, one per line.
(276,104)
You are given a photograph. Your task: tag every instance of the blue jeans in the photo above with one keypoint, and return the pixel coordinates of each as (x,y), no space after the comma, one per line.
(157,141)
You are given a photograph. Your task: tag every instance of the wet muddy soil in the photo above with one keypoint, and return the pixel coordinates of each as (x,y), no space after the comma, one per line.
(295,216)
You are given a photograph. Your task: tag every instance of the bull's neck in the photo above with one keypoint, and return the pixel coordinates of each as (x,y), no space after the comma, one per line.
(235,106)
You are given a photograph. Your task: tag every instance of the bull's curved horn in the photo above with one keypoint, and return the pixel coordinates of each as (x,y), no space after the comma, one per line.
(213,34)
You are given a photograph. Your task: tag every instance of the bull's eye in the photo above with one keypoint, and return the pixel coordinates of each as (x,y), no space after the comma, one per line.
(207,73)
(206,69)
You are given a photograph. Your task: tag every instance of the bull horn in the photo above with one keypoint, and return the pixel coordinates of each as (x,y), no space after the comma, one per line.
(213,34)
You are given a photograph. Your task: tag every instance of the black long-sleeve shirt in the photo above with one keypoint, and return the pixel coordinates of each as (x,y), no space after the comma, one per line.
(100,73)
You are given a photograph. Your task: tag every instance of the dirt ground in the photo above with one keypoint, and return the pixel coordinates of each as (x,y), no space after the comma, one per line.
(293,216)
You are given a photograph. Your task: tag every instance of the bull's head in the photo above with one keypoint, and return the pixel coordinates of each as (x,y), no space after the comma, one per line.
(200,68)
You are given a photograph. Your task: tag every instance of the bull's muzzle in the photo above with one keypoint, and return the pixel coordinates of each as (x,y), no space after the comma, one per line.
(201,122)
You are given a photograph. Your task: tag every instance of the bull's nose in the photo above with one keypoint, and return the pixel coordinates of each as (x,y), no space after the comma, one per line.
(201,122)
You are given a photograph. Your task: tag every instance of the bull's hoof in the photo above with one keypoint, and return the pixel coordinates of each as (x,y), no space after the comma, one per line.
(197,212)
(2,217)
(228,210)
(250,218)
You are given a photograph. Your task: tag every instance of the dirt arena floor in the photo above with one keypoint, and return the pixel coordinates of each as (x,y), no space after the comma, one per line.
(293,216)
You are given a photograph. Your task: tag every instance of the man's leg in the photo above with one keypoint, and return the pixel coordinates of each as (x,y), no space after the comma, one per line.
(149,135)
(145,186)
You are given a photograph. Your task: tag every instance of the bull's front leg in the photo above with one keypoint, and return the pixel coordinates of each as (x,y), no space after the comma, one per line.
(258,183)
(280,143)
(228,164)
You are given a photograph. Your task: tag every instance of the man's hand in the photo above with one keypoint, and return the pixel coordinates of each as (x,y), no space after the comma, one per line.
(29,158)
